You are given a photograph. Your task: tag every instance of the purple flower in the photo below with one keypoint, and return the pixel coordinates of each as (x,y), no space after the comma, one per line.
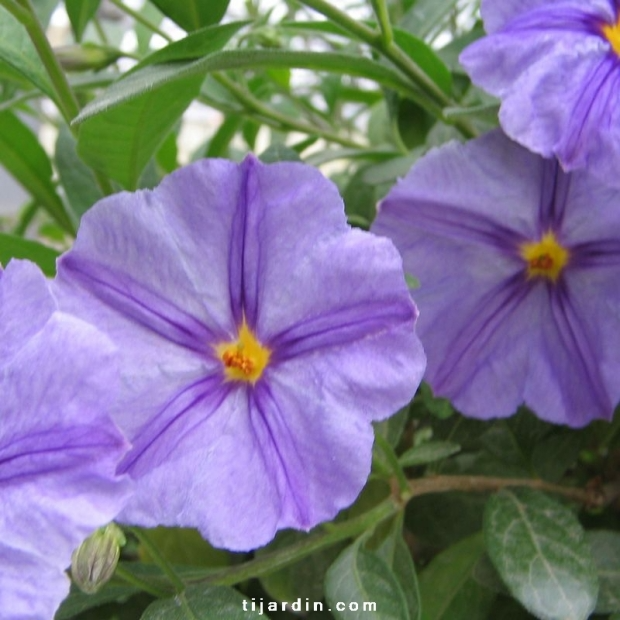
(58,449)
(519,266)
(260,336)
(555,64)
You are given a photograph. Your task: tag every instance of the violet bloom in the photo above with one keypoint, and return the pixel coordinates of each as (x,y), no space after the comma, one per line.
(555,64)
(58,449)
(519,269)
(260,337)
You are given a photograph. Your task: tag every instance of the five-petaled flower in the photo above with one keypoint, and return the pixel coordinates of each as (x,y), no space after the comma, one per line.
(259,337)
(519,266)
(555,64)
(58,448)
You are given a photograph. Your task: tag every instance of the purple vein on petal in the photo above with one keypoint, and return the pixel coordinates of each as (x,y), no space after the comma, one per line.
(550,18)
(595,254)
(271,414)
(135,301)
(171,422)
(236,251)
(578,344)
(555,187)
(454,222)
(51,450)
(489,315)
(339,327)
(583,116)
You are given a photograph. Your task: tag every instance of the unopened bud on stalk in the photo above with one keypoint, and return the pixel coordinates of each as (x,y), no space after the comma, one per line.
(93,563)
(86,57)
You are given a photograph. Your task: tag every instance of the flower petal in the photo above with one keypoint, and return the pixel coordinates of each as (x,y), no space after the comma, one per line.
(30,588)
(25,305)
(558,80)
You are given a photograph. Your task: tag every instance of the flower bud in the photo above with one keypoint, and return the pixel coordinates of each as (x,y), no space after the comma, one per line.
(93,563)
(86,57)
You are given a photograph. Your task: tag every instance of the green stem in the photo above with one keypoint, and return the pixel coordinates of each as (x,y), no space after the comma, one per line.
(159,559)
(65,99)
(484,484)
(330,535)
(140,583)
(23,16)
(357,28)
(141,19)
(383,17)
(334,533)
(282,121)
(397,470)
(25,217)
(396,55)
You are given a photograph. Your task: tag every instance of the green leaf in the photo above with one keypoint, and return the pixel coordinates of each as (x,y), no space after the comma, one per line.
(152,77)
(17,50)
(193,14)
(195,45)
(204,603)
(425,58)
(184,546)
(303,579)
(606,553)
(556,454)
(80,13)
(279,152)
(428,453)
(395,552)
(77,602)
(447,587)
(22,155)
(425,16)
(540,551)
(17,247)
(121,141)
(76,177)
(362,579)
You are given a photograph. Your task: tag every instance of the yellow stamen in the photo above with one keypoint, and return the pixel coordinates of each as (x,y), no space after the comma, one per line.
(545,258)
(245,359)
(612,33)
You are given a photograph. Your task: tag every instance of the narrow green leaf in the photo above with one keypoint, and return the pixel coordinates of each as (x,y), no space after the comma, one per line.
(195,45)
(17,50)
(447,587)
(359,584)
(540,551)
(428,453)
(395,552)
(152,77)
(17,247)
(193,14)
(425,58)
(204,603)
(119,142)
(22,155)
(80,13)
(425,16)
(606,553)
(76,177)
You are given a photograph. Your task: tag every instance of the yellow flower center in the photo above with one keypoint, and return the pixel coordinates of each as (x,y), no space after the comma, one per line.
(612,33)
(245,359)
(545,258)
